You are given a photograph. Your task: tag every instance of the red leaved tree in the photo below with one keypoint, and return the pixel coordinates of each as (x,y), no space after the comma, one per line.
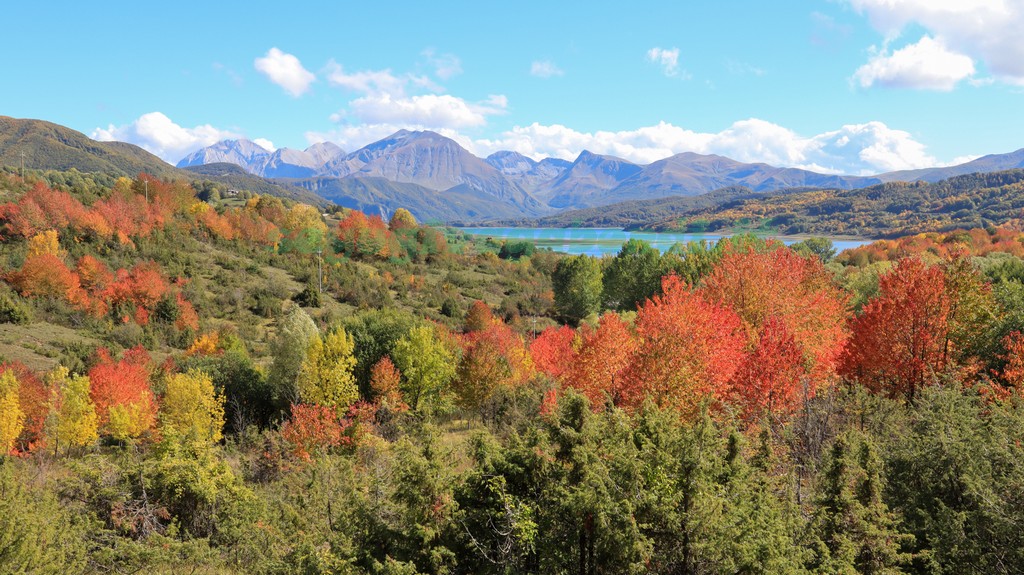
(363,236)
(386,382)
(492,357)
(313,429)
(125,404)
(770,380)
(688,349)
(553,352)
(478,317)
(798,291)
(45,275)
(599,364)
(899,342)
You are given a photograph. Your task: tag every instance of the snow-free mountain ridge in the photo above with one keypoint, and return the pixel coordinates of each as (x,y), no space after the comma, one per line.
(507,182)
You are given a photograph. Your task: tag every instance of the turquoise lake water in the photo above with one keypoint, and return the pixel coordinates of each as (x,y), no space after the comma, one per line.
(600,241)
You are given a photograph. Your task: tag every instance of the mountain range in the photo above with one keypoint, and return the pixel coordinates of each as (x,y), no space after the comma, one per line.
(44,145)
(438,179)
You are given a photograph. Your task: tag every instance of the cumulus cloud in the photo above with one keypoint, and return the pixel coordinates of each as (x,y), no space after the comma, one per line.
(389,99)
(545,69)
(866,148)
(667,59)
(286,71)
(928,65)
(987,31)
(265,144)
(156,133)
(432,110)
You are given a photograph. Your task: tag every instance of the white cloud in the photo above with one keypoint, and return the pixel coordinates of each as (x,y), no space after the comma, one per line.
(265,144)
(927,65)
(366,81)
(987,31)
(668,59)
(286,71)
(430,110)
(863,149)
(545,69)
(156,133)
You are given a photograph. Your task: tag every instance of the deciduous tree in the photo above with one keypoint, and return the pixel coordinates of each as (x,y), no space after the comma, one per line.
(599,364)
(577,285)
(688,348)
(326,377)
(426,363)
(120,390)
(898,343)
(191,409)
(295,331)
(632,276)
(768,383)
(12,418)
(73,422)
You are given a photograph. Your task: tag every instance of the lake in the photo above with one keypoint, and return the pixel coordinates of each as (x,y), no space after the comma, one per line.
(600,241)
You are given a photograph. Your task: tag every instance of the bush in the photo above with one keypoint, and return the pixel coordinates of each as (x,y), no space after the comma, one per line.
(13,311)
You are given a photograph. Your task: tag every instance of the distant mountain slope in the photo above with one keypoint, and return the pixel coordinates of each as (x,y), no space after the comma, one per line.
(48,146)
(435,162)
(589,177)
(527,172)
(380,196)
(883,210)
(989,163)
(509,179)
(635,212)
(690,174)
(244,153)
(236,177)
(253,158)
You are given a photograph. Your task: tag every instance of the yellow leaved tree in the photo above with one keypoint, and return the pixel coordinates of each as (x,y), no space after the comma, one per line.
(326,377)
(192,409)
(12,418)
(73,421)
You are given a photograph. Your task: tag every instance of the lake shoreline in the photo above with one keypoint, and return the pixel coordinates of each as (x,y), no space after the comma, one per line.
(603,241)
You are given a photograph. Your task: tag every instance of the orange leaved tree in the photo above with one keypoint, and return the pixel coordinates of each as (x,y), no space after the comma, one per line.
(899,342)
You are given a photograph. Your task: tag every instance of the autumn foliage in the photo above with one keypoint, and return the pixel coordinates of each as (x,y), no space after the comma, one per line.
(601,359)
(125,404)
(771,380)
(492,357)
(313,429)
(33,399)
(362,236)
(796,291)
(899,342)
(553,351)
(386,381)
(689,348)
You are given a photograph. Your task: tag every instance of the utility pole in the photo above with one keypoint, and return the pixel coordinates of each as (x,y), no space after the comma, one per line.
(23,164)
(146,183)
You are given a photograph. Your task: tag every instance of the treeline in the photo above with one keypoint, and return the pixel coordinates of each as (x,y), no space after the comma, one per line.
(720,408)
(883,211)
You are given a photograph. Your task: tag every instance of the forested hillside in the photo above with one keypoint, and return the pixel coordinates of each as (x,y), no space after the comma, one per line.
(887,210)
(200,383)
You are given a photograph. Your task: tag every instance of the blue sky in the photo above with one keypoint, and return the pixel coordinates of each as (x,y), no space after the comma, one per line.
(855,86)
